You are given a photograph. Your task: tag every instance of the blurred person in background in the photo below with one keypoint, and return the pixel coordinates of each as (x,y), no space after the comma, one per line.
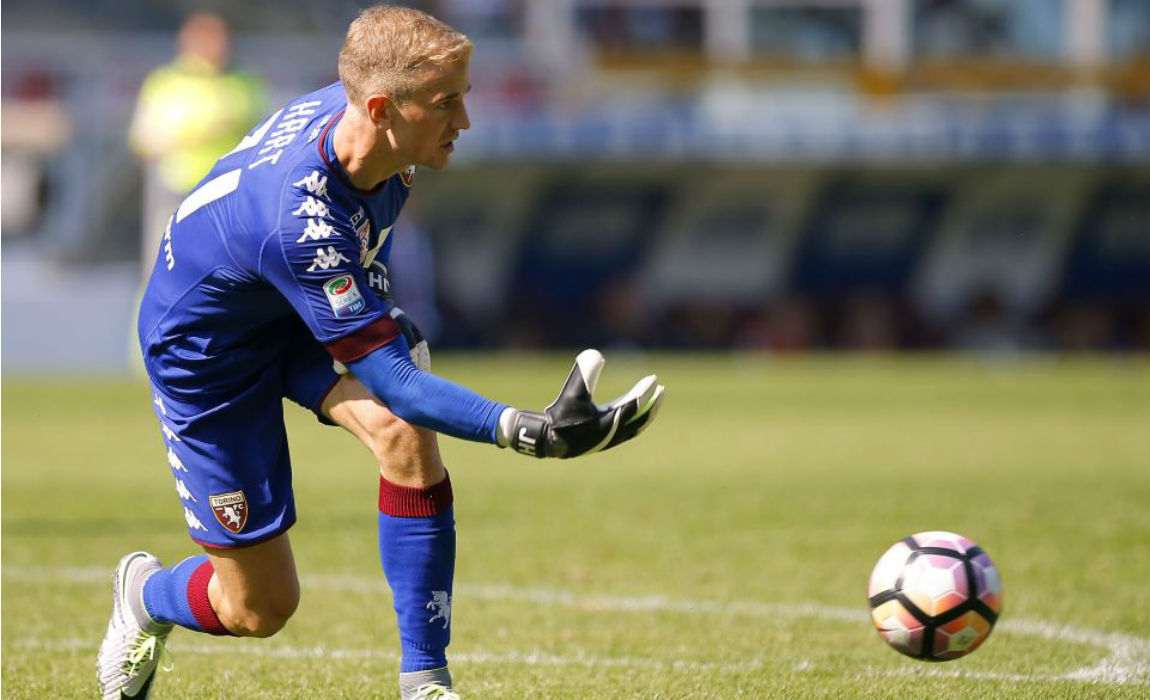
(189,113)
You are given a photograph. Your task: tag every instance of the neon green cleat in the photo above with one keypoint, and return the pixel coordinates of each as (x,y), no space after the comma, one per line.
(432,684)
(434,691)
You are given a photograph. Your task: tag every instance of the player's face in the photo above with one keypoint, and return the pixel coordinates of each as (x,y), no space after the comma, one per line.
(429,123)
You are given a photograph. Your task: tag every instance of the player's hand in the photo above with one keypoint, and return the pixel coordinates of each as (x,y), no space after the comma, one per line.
(380,283)
(574,424)
(420,353)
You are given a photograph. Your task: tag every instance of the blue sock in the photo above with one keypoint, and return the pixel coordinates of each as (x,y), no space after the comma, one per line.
(417,549)
(179,595)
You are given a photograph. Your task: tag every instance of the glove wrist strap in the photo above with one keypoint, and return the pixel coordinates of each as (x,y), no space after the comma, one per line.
(506,427)
(529,433)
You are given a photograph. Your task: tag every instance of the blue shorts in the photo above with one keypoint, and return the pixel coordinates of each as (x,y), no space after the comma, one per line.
(229,455)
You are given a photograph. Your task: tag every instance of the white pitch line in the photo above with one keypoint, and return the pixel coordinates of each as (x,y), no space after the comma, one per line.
(480,656)
(1128,661)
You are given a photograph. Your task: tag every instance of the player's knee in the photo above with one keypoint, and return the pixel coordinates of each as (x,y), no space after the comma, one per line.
(261,617)
(407,453)
(385,432)
(264,623)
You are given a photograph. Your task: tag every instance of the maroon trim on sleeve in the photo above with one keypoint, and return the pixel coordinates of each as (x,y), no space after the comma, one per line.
(410,502)
(358,344)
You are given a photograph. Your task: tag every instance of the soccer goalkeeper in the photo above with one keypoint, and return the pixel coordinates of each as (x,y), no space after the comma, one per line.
(272,267)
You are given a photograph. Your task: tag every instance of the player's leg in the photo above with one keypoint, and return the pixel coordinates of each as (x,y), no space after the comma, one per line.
(407,455)
(245,592)
(233,478)
(233,475)
(416,523)
(255,589)
(133,645)
(416,528)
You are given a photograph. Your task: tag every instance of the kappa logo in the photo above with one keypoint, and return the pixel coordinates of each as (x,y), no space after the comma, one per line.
(315,230)
(408,176)
(326,259)
(311,207)
(182,489)
(169,433)
(231,510)
(440,604)
(316,183)
(343,296)
(174,461)
(192,521)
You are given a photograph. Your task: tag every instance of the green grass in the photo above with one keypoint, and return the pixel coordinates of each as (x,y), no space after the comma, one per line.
(725,555)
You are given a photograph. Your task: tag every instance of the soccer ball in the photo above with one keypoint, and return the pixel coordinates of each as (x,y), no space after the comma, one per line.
(935,596)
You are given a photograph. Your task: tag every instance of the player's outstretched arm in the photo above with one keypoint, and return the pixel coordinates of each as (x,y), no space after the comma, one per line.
(574,424)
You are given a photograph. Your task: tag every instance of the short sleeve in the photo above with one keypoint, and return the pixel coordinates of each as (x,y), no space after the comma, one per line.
(313,259)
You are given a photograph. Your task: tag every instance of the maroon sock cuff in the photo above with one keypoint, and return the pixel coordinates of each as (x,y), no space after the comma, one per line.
(408,502)
(199,602)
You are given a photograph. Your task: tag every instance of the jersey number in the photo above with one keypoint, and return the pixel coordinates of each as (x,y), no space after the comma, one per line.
(223,185)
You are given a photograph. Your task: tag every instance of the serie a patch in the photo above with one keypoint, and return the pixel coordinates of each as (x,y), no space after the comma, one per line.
(343,295)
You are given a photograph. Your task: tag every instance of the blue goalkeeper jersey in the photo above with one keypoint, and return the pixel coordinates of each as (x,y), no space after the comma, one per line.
(274,233)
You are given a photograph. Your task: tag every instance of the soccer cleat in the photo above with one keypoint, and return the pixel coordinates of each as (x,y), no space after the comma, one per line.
(434,691)
(431,684)
(131,650)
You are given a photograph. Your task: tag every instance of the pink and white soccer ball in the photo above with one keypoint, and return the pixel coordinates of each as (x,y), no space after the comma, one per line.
(935,596)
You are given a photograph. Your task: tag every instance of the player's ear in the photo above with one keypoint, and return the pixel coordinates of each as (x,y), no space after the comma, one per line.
(379,111)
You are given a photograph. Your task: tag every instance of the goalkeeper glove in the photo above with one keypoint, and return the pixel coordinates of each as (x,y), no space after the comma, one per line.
(416,343)
(573,424)
(380,283)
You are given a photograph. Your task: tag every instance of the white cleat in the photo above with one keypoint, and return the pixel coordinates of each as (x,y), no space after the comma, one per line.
(435,691)
(431,684)
(131,651)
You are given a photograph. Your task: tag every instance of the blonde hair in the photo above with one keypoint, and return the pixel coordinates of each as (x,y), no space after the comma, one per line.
(387,48)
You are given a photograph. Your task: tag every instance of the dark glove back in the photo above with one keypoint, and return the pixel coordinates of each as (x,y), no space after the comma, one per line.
(575,425)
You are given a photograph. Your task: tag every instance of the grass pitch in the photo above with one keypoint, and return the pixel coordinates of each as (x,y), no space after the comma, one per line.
(724,555)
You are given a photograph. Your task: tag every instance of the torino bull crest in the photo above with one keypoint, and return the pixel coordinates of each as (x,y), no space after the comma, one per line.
(231,510)
(935,596)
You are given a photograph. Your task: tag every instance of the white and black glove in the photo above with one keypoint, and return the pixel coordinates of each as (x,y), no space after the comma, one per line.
(575,425)
(380,283)
(416,343)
